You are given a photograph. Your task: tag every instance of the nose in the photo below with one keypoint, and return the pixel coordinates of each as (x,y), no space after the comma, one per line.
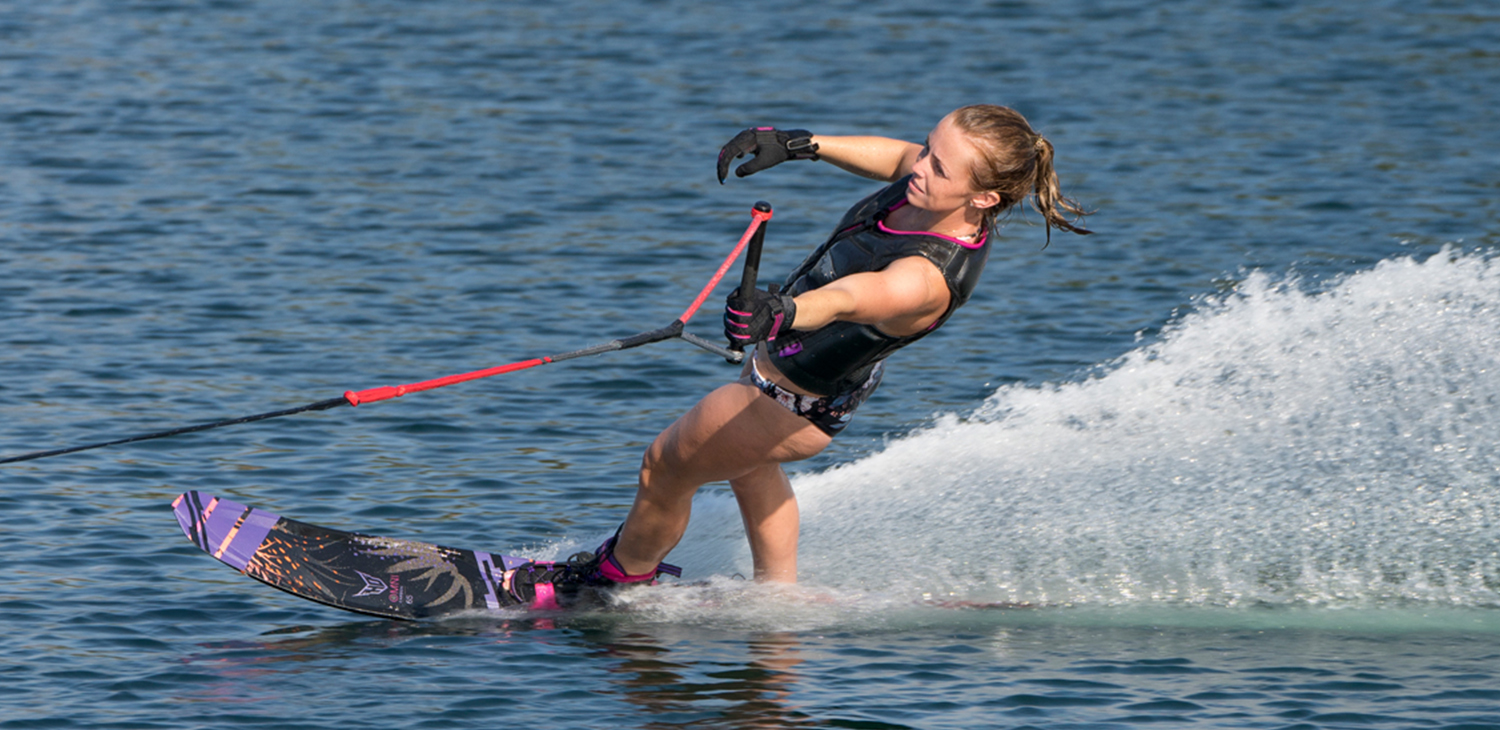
(921,167)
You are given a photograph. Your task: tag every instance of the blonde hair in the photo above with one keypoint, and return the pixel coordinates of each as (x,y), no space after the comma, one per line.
(1015,162)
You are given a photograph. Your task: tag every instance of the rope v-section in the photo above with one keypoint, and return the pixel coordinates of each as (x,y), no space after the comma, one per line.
(753,239)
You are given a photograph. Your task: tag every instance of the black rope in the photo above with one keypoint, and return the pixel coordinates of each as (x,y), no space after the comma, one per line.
(671,331)
(319,406)
(674,330)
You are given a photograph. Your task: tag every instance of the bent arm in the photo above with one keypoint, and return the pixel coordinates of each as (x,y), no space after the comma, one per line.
(901,299)
(879,158)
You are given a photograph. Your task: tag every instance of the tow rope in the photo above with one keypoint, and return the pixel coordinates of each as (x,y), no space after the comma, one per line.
(753,238)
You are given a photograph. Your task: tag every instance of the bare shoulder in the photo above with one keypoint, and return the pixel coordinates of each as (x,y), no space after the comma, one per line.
(918,284)
(918,271)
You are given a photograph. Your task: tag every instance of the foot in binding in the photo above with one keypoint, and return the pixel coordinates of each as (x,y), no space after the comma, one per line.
(551,585)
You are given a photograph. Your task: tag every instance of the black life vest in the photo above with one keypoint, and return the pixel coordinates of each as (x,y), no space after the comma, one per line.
(837,357)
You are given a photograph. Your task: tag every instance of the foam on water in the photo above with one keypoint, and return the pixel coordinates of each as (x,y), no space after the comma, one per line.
(1274,446)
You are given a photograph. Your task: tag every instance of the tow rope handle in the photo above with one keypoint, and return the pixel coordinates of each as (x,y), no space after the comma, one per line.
(752,263)
(754,238)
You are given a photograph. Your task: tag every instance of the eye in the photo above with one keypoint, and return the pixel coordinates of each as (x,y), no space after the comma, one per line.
(937,167)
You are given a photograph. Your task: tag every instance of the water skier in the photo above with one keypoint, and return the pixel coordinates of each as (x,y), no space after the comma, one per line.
(896,267)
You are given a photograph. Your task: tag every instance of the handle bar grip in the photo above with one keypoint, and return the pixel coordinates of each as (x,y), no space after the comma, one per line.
(752,254)
(762,213)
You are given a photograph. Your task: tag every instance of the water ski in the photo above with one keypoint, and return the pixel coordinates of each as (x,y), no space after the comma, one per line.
(378,576)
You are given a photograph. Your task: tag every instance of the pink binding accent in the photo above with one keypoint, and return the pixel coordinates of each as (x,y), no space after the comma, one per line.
(546,598)
(887,229)
(612,570)
(732,310)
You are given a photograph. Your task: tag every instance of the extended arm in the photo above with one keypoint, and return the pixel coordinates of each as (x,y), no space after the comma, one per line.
(879,158)
(901,299)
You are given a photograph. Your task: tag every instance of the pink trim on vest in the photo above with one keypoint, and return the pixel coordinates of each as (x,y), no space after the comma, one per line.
(966,244)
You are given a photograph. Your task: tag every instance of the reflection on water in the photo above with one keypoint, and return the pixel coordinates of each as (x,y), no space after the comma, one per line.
(748,681)
(752,692)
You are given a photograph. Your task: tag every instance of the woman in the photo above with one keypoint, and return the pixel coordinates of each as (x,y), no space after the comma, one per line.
(895,269)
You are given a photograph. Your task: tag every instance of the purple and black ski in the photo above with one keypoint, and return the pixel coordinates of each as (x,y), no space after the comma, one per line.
(379,576)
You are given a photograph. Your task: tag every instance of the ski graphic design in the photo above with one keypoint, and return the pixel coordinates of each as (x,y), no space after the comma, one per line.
(379,576)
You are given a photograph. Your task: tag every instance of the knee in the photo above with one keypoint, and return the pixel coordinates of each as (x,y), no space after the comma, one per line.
(654,461)
(662,467)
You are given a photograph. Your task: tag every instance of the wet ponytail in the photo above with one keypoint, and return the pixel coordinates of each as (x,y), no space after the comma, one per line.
(1047,195)
(1016,162)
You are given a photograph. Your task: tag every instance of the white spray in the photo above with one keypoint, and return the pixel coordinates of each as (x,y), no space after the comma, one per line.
(1272,447)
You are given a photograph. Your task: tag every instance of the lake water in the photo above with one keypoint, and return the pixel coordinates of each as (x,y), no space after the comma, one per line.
(1229,462)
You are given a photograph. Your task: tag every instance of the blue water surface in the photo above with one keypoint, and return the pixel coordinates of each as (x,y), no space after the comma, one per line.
(1227,462)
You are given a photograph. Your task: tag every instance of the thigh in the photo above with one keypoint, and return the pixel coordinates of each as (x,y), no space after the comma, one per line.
(732,431)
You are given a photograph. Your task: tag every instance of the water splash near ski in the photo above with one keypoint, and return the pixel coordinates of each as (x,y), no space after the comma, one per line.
(1274,446)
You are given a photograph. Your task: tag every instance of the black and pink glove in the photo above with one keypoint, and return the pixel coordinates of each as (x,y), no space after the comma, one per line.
(761,317)
(770,146)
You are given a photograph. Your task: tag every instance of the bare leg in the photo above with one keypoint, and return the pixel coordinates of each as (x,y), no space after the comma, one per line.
(769,509)
(733,431)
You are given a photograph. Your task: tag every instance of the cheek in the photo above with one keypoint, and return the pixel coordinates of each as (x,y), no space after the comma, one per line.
(946,190)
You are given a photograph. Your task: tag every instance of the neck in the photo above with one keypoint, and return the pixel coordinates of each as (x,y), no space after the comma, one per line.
(962,222)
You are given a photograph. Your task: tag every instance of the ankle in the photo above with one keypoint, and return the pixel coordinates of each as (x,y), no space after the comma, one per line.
(612,568)
(625,569)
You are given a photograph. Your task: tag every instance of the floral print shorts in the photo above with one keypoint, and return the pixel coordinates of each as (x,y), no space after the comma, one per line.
(830,413)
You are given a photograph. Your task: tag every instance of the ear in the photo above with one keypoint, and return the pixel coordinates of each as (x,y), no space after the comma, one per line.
(987,199)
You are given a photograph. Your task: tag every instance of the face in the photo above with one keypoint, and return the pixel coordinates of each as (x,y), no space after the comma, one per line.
(941,180)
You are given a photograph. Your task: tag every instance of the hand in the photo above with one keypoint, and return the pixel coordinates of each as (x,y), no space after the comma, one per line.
(762,316)
(770,146)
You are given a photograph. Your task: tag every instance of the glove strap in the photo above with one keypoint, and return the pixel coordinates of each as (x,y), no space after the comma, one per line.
(797,142)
